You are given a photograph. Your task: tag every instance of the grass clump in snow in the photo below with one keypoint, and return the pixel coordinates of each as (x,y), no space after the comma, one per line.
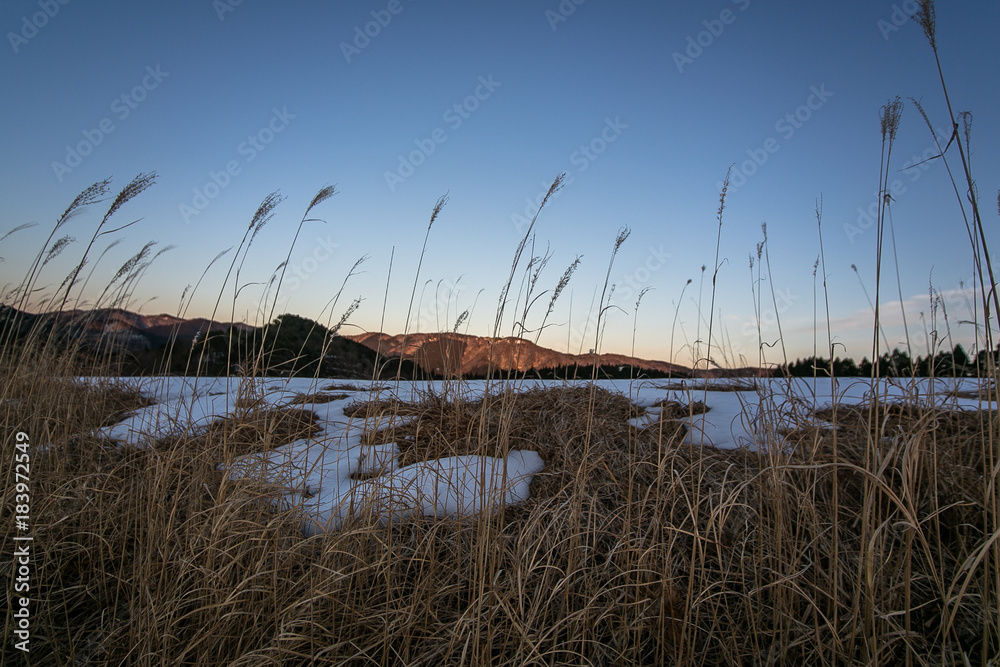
(263,428)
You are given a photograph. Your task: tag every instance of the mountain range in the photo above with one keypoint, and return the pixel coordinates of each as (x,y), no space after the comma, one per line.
(120,328)
(462,355)
(434,355)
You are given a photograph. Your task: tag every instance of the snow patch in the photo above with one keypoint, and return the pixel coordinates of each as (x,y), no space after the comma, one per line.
(332,476)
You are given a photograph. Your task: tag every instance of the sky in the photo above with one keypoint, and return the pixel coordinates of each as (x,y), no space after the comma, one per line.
(644,106)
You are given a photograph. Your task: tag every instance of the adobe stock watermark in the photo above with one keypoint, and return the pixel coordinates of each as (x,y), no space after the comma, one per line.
(696,44)
(632,283)
(580,159)
(248,149)
(766,323)
(300,271)
(30,25)
(223,7)
(454,116)
(913,168)
(363,35)
(435,315)
(786,126)
(626,291)
(22,571)
(121,107)
(563,11)
(584,333)
(898,18)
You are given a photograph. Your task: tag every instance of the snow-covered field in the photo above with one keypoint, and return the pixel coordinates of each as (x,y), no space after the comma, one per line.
(332,475)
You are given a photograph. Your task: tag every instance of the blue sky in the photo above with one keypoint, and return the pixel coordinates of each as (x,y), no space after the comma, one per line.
(644,106)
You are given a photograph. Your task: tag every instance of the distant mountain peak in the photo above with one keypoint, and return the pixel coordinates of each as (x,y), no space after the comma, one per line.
(463,355)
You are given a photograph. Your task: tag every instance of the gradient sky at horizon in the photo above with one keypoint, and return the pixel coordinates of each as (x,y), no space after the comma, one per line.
(643,119)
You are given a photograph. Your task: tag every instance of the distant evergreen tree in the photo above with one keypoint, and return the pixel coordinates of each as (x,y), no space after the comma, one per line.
(951,364)
(845,367)
(983,360)
(897,364)
(960,361)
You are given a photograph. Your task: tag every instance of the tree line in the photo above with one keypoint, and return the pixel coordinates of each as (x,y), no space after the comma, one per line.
(898,363)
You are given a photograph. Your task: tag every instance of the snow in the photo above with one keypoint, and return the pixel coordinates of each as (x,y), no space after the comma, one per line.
(331,474)
(334,477)
(749,417)
(453,486)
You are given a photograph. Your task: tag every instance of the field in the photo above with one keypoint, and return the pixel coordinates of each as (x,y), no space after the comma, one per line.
(870,543)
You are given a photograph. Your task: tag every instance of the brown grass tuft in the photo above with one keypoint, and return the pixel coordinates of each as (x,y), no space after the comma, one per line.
(258,430)
(309,399)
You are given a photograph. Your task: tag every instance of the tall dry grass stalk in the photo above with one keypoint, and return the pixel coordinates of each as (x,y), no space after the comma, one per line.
(673,324)
(604,303)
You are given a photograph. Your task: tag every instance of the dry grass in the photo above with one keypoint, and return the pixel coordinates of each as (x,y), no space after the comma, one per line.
(262,429)
(633,548)
(981,393)
(738,384)
(342,386)
(674,410)
(312,399)
(869,536)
